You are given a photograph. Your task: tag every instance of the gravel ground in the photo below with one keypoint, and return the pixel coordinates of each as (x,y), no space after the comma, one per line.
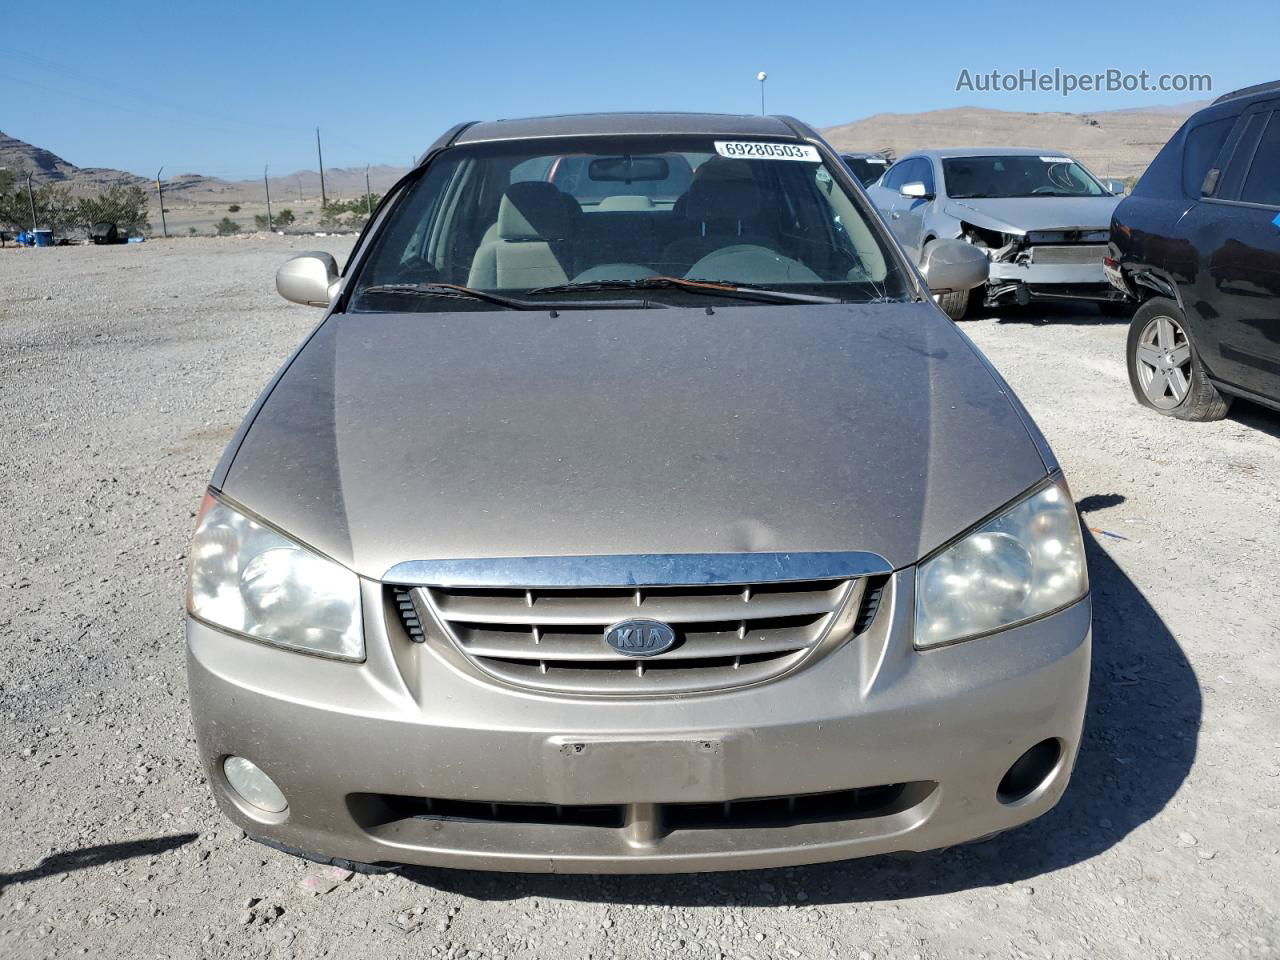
(123,371)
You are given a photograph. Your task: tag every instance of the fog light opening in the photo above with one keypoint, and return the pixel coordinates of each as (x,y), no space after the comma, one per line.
(1030,771)
(253,786)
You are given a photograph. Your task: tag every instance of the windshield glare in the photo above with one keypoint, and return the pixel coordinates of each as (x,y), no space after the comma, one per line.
(1017,176)
(517,217)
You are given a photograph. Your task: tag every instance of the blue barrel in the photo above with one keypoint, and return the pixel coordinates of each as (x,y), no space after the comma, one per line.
(44,238)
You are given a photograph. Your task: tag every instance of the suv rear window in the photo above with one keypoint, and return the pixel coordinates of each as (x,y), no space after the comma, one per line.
(867,169)
(1203,144)
(1263,183)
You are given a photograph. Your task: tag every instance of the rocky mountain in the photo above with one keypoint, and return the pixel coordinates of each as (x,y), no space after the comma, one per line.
(1112,143)
(48,167)
(340,182)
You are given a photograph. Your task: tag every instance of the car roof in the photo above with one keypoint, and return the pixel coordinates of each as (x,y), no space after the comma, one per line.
(946,153)
(1256,92)
(1236,102)
(624,124)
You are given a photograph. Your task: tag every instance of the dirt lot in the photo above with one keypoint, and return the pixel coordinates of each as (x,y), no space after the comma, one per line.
(124,370)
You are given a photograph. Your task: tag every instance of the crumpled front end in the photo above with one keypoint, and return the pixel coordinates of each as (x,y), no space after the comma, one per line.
(1044,264)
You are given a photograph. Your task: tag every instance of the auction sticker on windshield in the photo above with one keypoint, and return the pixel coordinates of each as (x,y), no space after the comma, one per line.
(767,151)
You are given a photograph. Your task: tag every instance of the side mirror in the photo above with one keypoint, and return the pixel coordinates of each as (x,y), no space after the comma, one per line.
(953,265)
(915,190)
(1116,186)
(309,278)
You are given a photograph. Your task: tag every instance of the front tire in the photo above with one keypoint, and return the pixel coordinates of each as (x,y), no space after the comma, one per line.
(1165,371)
(954,304)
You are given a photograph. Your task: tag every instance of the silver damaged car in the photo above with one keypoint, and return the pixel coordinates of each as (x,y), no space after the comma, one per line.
(1041,217)
(634,508)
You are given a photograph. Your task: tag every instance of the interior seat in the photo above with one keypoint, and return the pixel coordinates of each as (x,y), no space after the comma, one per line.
(530,244)
(722,203)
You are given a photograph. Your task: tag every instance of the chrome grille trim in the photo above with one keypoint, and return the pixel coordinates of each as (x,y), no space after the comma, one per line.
(553,639)
(637,570)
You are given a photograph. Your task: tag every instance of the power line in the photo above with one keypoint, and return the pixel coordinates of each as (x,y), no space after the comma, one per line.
(66,72)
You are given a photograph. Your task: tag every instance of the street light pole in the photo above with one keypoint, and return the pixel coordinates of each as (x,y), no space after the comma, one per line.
(324,201)
(267,187)
(368,194)
(762,77)
(31,198)
(164,225)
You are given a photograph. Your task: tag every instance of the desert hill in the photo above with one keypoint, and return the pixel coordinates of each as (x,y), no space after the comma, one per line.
(1115,143)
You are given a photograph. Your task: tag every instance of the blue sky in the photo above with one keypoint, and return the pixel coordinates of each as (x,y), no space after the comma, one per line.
(223,88)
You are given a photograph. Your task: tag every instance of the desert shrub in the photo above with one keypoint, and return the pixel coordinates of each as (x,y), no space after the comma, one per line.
(234,208)
(284,218)
(56,209)
(226,227)
(348,214)
(126,207)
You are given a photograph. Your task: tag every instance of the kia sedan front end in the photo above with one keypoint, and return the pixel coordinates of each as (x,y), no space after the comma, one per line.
(634,509)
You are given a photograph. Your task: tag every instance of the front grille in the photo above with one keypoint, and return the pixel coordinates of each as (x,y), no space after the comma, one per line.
(1071,253)
(1037,237)
(870,606)
(553,639)
(374,810)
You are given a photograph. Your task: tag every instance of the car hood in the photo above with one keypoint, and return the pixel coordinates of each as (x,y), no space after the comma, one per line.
(400,437)
(1023,214)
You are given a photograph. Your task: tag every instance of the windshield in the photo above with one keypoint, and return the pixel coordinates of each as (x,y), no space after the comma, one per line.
(1018,176)
(867,169)
(588,218)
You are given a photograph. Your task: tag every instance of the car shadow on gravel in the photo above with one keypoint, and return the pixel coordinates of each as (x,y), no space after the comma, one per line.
(87,857)
(1044,314)
(1255,417)
(1139,744)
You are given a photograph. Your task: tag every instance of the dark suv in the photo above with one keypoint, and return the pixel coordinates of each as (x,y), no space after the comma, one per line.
(1198,243)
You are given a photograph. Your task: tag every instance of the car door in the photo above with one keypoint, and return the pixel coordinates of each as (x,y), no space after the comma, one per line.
(1236,234)
(911,213)
(884,192)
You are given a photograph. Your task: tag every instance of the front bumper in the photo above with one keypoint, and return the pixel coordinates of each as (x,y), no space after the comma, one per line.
(1026,280)
(353,746)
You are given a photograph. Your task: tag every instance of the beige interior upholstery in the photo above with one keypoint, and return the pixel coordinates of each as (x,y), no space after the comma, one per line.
(529,245)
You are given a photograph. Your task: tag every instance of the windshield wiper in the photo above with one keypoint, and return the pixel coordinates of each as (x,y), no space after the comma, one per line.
(715,288)
(458,291)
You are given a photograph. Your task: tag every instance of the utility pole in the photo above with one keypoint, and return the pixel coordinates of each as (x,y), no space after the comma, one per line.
(31,197)
(164,227)
(324,202)
(266,186)
(368,194)
(299,188)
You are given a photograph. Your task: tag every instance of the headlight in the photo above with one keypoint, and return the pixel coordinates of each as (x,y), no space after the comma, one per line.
(1024,563)
(246,577)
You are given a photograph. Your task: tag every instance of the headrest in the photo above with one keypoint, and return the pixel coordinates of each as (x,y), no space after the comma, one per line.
(535,210)
(627,202)
(722,190)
